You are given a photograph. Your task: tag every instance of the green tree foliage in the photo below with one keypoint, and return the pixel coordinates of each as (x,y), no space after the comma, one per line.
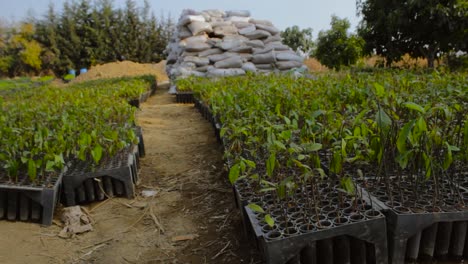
(298,40)
(83,34)
(20,52)
(422,28)
(46,33)
(336,47)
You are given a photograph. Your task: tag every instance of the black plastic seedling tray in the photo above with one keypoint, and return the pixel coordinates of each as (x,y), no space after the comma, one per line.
(30,203)
(356,242)
(115,176)
(425,235)
(184,98)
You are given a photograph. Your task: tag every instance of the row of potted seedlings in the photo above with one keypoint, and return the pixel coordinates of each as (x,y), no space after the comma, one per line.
(48,134)
(311,156)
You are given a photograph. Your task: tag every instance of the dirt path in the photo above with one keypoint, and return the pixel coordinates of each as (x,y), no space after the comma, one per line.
(192,219)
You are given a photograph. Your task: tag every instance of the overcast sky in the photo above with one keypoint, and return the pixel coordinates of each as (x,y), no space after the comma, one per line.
(285,13)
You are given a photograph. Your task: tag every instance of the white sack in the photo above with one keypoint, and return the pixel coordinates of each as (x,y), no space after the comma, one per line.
(190,19)
(258,34)
(239,13)
(271,29)
(286,65)
(264,58)
(288,57)
(209,52)
(214,72)
(200,27)
(249,67)
(232,62)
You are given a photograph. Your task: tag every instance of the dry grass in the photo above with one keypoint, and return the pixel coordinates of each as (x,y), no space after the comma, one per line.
(406,62)
(315,66)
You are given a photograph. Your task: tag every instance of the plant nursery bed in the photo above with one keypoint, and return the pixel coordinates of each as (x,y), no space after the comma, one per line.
(27,202)
(184,98)
(115,176)
(208,115)
(418,229)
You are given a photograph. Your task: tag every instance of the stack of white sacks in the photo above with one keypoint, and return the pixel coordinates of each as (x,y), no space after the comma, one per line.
(216,43)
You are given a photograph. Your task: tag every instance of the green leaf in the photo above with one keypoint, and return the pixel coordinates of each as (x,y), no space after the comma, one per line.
(97,153)
(234,173)
(383,120)
(347,184)
(403,135)
(249,163)
(269,220)
(50,166)
(414,106)
(448,159)
(336,163)
(59,159)
(321,173)
(271,162)
(403,158)
(313,147)
(379,90)
(343,148)
(421,123)
(32,170)
(256,208)
(281,191)
(286,134)
(427,165)
(279,144)
(267,183)
(278,109)
(357,131)
(269,189)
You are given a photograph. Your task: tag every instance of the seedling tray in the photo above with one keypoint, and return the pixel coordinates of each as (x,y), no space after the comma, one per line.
(426,234)
(29,202)
(357,242)
(115,176)
(184,98)
(134,102)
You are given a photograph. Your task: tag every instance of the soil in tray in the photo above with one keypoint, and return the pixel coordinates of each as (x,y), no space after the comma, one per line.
(47,181)
(301,214)
(406,198)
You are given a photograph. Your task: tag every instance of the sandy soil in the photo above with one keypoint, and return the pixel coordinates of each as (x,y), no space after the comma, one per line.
(124,68)
(184,165)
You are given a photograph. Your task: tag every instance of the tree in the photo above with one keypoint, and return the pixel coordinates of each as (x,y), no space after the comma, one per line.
(422,28)
(336,47)
(298,40)
(46,34)
(20,52)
